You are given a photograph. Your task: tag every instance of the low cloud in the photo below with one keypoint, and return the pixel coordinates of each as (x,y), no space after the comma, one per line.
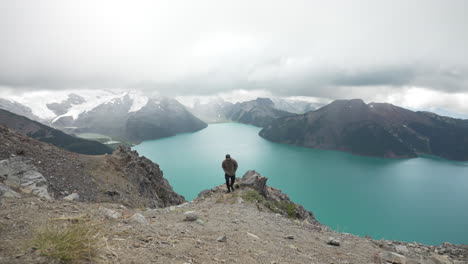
(334,49)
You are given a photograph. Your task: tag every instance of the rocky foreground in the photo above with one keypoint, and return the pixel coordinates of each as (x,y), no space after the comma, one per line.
(62,207)
(123,177)
(253,224)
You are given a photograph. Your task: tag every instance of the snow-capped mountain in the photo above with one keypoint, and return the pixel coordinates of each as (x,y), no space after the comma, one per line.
(296,106)
(258,112)
(215,110)
(17,108)
(128,116)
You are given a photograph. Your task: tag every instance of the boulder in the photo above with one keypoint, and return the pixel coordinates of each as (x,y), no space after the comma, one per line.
(71,197)
(7,192)
(222,239)
(394,258)
(333,241)
(252,236)
(402,249)
(255,181)
(190,216)
(110,214)
(21,173)
(138,218)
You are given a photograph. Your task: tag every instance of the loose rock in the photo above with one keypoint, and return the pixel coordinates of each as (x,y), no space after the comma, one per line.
(222,239)
(110,214)
(7,192)
(401,249)
(138,219)
(190,216)
(393,258)
(71,197)
(334,242)
(252,236)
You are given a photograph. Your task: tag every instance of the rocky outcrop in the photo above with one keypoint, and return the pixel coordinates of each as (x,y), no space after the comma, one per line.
(375,129)
(7,192)
(148,177)
(273,198)
(257,182)
(19,172)
(123,177)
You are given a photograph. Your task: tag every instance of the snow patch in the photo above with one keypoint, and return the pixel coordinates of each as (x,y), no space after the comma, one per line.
(38,100)
(111,142)
(93,99)
(138,101)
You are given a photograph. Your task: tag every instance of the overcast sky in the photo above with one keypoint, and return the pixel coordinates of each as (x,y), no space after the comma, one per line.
(408,52)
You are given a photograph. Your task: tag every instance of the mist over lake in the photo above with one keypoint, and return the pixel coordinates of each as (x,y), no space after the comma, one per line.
(422,199)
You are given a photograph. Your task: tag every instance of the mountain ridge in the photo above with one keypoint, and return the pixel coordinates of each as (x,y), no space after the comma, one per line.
(47,134)
(128,116)
(374,129)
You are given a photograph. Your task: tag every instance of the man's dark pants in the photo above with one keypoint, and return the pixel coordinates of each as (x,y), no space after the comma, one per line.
(230,181)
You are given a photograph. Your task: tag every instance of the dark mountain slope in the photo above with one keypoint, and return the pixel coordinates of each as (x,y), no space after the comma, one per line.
(374,129)
(259,112)
(50,135)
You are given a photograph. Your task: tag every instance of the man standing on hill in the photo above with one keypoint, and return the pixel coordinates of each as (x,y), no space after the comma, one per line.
(230,167)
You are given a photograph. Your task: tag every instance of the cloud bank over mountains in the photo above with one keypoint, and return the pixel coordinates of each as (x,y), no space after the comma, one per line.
(411,53)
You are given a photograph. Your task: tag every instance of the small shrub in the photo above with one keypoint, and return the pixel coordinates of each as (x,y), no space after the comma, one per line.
(288,207)
(252,196)
(68,242)
(275,206)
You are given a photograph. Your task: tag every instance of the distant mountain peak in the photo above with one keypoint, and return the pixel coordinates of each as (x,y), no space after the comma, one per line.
(375,129)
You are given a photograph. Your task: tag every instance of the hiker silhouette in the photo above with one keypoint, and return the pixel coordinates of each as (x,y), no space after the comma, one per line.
(229,166)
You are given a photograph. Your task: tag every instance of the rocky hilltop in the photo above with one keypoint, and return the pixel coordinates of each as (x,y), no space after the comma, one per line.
(374,129)
(122,177)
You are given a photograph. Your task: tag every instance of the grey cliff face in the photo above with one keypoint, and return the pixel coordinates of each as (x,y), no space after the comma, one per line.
(148,177)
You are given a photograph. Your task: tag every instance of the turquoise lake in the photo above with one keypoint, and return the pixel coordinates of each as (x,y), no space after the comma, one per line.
(422,199)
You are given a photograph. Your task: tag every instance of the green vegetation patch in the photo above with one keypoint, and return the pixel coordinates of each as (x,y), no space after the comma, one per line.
(68,242)
(280,207)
